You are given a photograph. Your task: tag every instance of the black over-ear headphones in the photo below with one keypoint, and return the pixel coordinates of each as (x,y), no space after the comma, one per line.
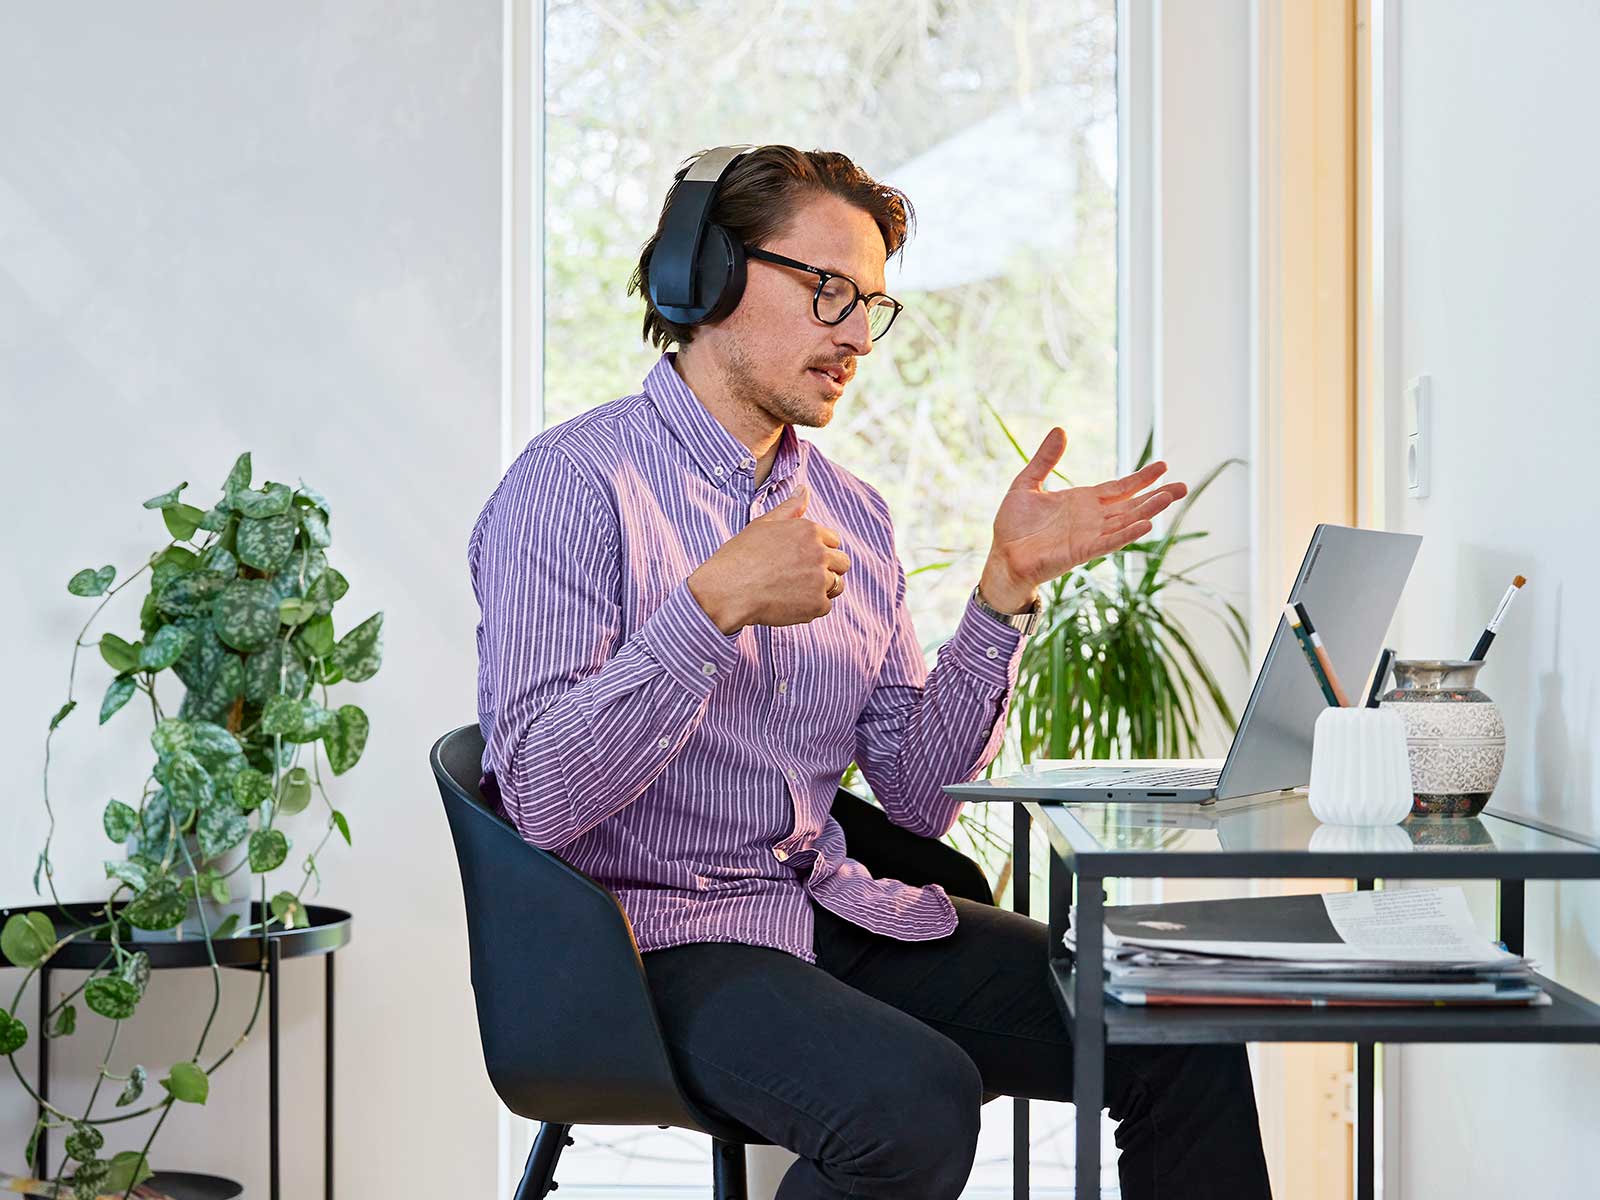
(696,270)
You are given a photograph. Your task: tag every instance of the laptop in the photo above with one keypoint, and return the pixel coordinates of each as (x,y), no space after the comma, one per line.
(1350,582)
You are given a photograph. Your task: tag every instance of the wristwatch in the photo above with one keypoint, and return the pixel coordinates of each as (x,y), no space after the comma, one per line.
(1025,622)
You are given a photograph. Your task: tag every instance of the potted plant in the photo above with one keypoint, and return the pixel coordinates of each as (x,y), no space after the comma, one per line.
(239,612)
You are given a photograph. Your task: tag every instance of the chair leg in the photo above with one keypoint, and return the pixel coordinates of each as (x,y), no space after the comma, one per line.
(728,1180)
(539,1176)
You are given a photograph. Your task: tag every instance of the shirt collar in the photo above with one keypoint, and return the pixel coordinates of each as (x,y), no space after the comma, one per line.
(718,454)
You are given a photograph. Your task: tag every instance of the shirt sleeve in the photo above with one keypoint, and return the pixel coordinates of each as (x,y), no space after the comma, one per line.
(583,720)
(922,730)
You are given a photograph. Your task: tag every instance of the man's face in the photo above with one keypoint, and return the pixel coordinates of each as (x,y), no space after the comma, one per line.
(772,351)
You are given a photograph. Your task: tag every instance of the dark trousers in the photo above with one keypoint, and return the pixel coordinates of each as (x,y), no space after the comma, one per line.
(872,1064)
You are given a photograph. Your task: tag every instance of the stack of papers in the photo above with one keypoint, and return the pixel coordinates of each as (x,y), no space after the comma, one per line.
(1413,946)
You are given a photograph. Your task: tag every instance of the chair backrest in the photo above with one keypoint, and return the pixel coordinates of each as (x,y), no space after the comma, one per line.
(569,1031)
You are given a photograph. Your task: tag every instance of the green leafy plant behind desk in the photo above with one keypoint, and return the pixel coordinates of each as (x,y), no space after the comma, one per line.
(239,610)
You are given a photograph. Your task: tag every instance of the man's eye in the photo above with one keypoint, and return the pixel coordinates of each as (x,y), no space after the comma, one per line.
(835,290)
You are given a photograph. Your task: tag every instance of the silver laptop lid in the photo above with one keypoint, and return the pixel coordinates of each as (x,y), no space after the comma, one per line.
(1350,582)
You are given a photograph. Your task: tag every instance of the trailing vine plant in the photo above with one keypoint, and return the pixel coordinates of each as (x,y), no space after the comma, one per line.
(240,610)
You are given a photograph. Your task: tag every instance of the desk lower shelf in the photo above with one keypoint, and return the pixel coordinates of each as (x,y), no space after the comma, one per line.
(1568,1017)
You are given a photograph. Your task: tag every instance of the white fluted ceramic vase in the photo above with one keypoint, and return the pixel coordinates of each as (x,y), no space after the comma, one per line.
(1360,773)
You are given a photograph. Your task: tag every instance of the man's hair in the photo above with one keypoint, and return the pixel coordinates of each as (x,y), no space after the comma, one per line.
(759,197)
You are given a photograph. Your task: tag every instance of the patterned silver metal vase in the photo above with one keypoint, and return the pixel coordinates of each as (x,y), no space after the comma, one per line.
(1455,736)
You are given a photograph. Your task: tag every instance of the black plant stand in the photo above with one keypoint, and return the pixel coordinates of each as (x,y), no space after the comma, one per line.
(327,932)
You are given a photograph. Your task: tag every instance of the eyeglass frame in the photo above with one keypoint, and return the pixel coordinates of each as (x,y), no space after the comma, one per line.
(816,296)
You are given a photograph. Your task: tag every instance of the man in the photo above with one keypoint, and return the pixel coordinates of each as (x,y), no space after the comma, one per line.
(693,622)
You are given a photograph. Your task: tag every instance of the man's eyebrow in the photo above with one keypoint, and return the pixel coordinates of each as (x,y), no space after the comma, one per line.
(856,279)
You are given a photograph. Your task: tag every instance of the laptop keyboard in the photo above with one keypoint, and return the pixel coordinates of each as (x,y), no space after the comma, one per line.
(1177,777)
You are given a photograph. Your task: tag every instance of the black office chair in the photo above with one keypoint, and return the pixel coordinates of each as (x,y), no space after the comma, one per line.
(569,1030)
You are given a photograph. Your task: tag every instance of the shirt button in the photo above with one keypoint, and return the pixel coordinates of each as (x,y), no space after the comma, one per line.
(794,774)
(992,652)
(664,743)
(783,685)
(708,668)
(780,854)
(718,470)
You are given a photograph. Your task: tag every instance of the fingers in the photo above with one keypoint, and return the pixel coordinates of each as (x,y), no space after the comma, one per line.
(836,561)
(1118,489)
(1147,506)
(794,506)
(1043,461)
(1118,538)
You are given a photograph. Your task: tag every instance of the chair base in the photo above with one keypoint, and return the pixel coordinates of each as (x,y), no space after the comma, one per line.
(728,1178)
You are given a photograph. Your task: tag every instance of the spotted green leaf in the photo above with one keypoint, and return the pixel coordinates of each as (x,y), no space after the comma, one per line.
(281,716)
(170,736)
(238,477)
(359,653)
(133,1089)
(271,501)
(113,998)
(216,518)
(315,523)
(188,783)
(159,906)
(190,594)
(215,697)
(250,788)
(266,542)
(187,1082)
(294,791)
(204,651)
(161,651)
(221,829)
(263,671)
(214,746)
(89,582)
(136,970)
(246,614)
(118,820)
(13,1033)
(327,589)
(118,694)
(84,1141)
(315,722)
(268,849)
(347,739)
(166,498)
(27,939)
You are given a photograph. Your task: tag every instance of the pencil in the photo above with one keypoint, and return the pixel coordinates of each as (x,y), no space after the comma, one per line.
(1340,698)
(1310,652)
(1493,627)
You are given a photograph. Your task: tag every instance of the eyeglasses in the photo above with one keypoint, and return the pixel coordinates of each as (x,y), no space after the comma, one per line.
(836,296)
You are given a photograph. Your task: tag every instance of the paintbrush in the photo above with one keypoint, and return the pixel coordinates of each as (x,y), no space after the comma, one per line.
(1493,627)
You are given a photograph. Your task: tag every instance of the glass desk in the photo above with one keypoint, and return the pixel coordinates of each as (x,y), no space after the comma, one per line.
(1275,836)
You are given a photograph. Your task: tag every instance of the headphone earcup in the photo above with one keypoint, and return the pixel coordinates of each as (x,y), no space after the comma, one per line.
(719,275)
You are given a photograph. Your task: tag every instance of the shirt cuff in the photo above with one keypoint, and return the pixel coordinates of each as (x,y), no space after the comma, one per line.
(688,644)
(987,648)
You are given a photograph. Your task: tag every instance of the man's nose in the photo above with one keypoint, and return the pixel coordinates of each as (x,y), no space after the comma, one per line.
(854,333)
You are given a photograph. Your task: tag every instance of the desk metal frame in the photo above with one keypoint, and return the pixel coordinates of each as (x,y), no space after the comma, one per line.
(1077,857)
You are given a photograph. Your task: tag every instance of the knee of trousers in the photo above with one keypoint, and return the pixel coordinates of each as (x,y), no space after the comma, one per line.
(916,1129)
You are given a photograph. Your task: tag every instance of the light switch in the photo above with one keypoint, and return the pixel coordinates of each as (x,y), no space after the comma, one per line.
(1419,434)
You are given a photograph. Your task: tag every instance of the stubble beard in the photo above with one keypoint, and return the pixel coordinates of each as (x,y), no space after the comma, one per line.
(789,407)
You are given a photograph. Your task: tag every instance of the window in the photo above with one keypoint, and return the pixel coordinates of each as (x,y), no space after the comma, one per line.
(1001,125)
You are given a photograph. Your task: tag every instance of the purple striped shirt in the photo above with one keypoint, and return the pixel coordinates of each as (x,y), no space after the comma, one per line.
(691,772)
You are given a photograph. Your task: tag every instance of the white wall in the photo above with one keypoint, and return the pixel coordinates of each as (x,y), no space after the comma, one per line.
(1499,258)
(275,228)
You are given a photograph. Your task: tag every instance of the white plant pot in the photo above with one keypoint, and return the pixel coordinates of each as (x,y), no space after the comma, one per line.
(1360,773)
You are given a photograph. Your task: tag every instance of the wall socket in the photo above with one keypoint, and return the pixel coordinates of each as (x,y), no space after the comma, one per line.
(1419,434)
